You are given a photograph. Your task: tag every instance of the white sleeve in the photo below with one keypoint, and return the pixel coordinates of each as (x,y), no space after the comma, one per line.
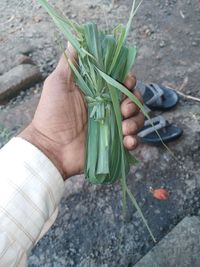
(30,190)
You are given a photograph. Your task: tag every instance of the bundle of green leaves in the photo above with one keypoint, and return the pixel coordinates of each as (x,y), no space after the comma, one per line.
(104,60)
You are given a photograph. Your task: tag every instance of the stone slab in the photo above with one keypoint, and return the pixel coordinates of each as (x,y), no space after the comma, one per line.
(180,248)
(17,79)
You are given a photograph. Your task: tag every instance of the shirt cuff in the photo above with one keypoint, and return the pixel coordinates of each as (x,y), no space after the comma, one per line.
(30,190)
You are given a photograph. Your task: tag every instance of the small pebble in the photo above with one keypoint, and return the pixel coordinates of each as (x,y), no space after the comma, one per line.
(162,44)
(194,44)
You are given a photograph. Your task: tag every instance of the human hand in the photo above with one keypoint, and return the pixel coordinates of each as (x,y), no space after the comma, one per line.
(59,125)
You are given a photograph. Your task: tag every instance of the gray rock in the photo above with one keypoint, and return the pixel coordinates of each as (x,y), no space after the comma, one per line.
(180,248)
(22,59)
(10,61)
(18,79)
(19,46)
(15,53)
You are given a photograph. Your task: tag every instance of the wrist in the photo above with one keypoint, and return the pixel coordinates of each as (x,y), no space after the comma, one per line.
(36,138)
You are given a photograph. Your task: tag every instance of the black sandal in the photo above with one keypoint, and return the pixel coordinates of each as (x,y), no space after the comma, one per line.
(168,132)
(157,97)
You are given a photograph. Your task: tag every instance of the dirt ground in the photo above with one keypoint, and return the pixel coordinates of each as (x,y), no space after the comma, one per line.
(167,35)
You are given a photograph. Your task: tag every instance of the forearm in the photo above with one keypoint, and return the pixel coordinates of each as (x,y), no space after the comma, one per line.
(30,190)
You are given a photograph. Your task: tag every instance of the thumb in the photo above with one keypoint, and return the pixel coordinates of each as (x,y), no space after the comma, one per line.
(63,68)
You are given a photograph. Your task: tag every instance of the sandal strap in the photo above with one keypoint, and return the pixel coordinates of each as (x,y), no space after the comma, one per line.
(154,88)
(146,109)
(158,92)
(161,124)
(141,87)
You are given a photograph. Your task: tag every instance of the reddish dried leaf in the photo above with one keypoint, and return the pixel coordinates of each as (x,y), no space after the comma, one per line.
(160,193)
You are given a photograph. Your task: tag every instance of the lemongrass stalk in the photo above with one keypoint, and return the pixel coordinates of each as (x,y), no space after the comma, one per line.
(104,61)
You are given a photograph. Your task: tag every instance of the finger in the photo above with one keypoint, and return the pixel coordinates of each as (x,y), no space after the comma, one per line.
(130,81)
(63,68)
(132,125)
(139,96)
(128,108)
(130,142)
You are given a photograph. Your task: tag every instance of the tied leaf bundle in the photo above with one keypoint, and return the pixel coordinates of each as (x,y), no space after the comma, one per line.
(104,60)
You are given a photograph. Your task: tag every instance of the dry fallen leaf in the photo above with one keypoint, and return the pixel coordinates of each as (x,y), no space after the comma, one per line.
(160,193)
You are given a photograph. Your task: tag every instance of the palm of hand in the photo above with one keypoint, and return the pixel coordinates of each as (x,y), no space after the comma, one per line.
(61,118)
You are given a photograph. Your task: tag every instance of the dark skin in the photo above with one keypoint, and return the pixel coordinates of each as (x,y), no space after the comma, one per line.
(59,125)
